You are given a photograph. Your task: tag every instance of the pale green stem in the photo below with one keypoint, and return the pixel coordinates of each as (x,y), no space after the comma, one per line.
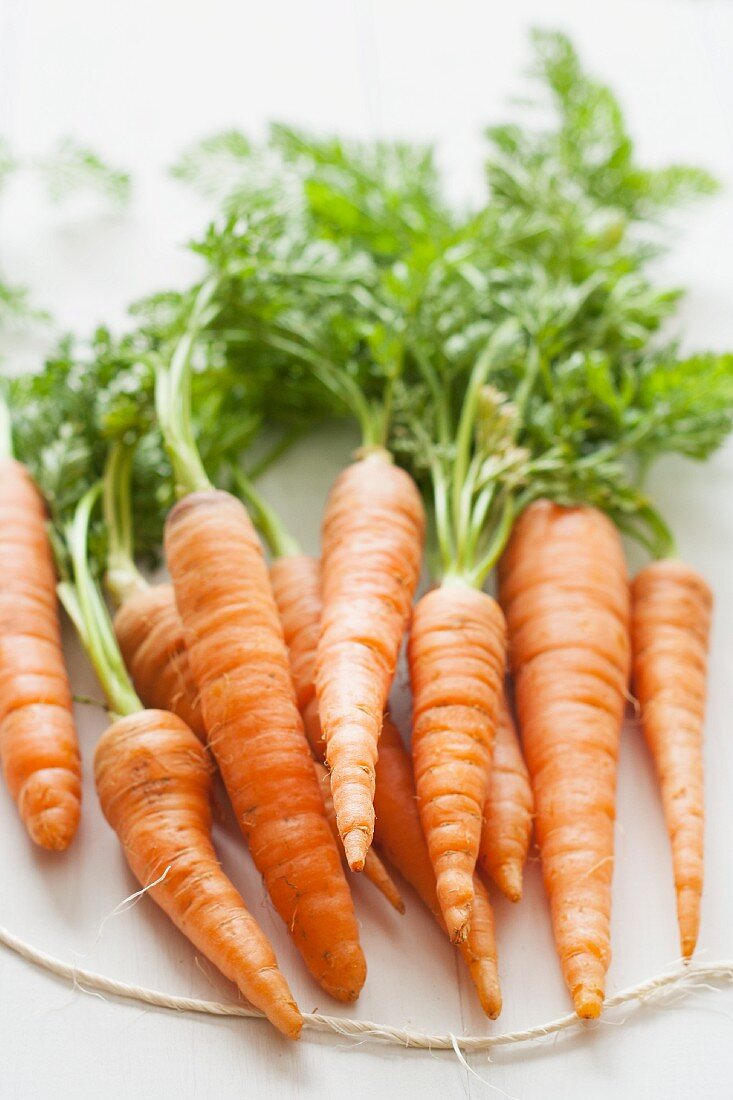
(87,611)
(466,424)
(122,577)
(497,545)
(173,398)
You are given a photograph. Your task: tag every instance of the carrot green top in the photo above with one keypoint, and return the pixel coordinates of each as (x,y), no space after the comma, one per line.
(83,602)
(122,576)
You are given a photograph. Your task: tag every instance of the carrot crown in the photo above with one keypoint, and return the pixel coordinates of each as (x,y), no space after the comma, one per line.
(83,602)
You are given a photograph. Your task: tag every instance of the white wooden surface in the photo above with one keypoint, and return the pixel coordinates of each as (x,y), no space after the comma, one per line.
(140,81)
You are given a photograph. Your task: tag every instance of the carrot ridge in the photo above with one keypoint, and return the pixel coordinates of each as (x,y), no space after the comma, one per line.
(296,585)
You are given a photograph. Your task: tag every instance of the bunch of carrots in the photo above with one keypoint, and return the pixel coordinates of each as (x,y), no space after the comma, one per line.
(507,375)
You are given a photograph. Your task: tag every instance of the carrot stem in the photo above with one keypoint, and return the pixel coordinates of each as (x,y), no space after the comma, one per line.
(173,393)
(123,579)
(86,608)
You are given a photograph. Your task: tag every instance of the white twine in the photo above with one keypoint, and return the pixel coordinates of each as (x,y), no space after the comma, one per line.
(681,980)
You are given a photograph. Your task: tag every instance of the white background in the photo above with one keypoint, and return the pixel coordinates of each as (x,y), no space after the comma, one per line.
(139,81)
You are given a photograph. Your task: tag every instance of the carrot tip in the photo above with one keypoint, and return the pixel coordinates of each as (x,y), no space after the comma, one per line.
(356,847)
(688,919)
(287,1019)
(50,812)
(508,878)
(487,987)
(688,945)
(588,1003)
(457,920)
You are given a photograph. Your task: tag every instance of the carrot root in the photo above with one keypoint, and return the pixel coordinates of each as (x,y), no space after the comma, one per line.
(564,590)
(374,870)
(38,741)
(154,784)
(456,656)
(238,658)
(480,954)
(507,825)
(671,610)
(372,546)
(153,646)
(400,836)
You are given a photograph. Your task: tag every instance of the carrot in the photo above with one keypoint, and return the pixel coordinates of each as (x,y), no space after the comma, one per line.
(240,666)
(373,533)
(147,625)
(456,657)
(564,590)
(670,625)
(150,635)
(239,662)
(374,869)
(296,585)
(154,784)
(507,825)
(38,742)
(400,836)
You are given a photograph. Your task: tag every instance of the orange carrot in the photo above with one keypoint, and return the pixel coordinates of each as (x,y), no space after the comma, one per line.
(456,656)
(239,662)
(372,547)
(565,593)
(150,635)
(374,869)
(399,834)
(38,741)
(507,826)
(147,625)
(154,784)
(671,609)
(296,585)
